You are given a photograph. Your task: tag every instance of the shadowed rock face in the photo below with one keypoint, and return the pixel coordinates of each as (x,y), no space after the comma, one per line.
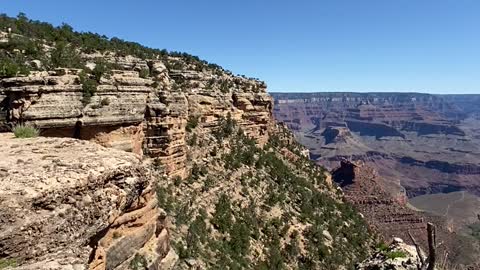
(70,203)
(345,174)
(334,135)
(420,142)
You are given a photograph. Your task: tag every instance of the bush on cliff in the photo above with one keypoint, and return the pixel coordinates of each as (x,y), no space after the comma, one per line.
(65,56)
(138,263)
(89,87)
(8,263)
(191,123)
(10,67)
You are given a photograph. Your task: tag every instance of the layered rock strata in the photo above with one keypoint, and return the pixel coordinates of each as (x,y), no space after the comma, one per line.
(391,216)
(418,143)
(385,212)
(142,115)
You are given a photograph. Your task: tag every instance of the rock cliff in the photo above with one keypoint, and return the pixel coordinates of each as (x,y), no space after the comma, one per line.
(393,216)
(140,115)
(70,204)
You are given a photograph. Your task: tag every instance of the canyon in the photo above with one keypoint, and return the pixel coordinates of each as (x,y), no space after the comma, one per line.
(147,159)
(412,144)
(420,143)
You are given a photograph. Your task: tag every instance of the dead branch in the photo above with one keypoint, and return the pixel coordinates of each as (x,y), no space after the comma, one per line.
(419,251)
(429,262)
(432,246)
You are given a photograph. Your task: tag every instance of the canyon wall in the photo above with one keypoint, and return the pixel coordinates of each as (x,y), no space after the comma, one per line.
(393,217)
(420,143)
(140,115)
(79,205)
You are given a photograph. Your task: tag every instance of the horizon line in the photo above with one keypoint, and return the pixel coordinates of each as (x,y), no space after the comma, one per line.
(366,92)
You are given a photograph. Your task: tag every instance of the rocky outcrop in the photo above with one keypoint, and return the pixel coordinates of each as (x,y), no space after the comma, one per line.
(398,256)
(391,216)
(52,101)
(83,206)
(144,115)
(72,204)
(387,214)
(336,135)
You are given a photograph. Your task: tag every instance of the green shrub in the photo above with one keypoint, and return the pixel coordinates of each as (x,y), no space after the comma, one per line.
(224,86)
(192,123)
(138,263)
(105,102)
(207,184)
(197,234)
(396,254)
(25,131)
(116,235)
(101,68)
(11,68)
(144,73)
(240,239)
(165,200)
(177,180)
(475,230)
(222,219)
(225,129)
(7,263)
(65,56)
(193,140)
(89,87)
(210,84)
(382,246)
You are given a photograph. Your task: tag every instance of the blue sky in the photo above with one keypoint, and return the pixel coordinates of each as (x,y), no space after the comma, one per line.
(337,45)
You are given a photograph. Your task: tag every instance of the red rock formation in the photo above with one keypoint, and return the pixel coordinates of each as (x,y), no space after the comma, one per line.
(419,143)
(389,215)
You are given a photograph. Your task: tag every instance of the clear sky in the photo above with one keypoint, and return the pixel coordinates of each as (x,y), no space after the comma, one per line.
(336,45)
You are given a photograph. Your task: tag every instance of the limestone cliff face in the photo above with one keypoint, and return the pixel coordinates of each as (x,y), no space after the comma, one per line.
(82,206)
(72,204)
(141,115)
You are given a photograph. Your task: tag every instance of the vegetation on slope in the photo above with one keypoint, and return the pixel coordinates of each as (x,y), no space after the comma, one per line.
(246,207)
(28,40)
